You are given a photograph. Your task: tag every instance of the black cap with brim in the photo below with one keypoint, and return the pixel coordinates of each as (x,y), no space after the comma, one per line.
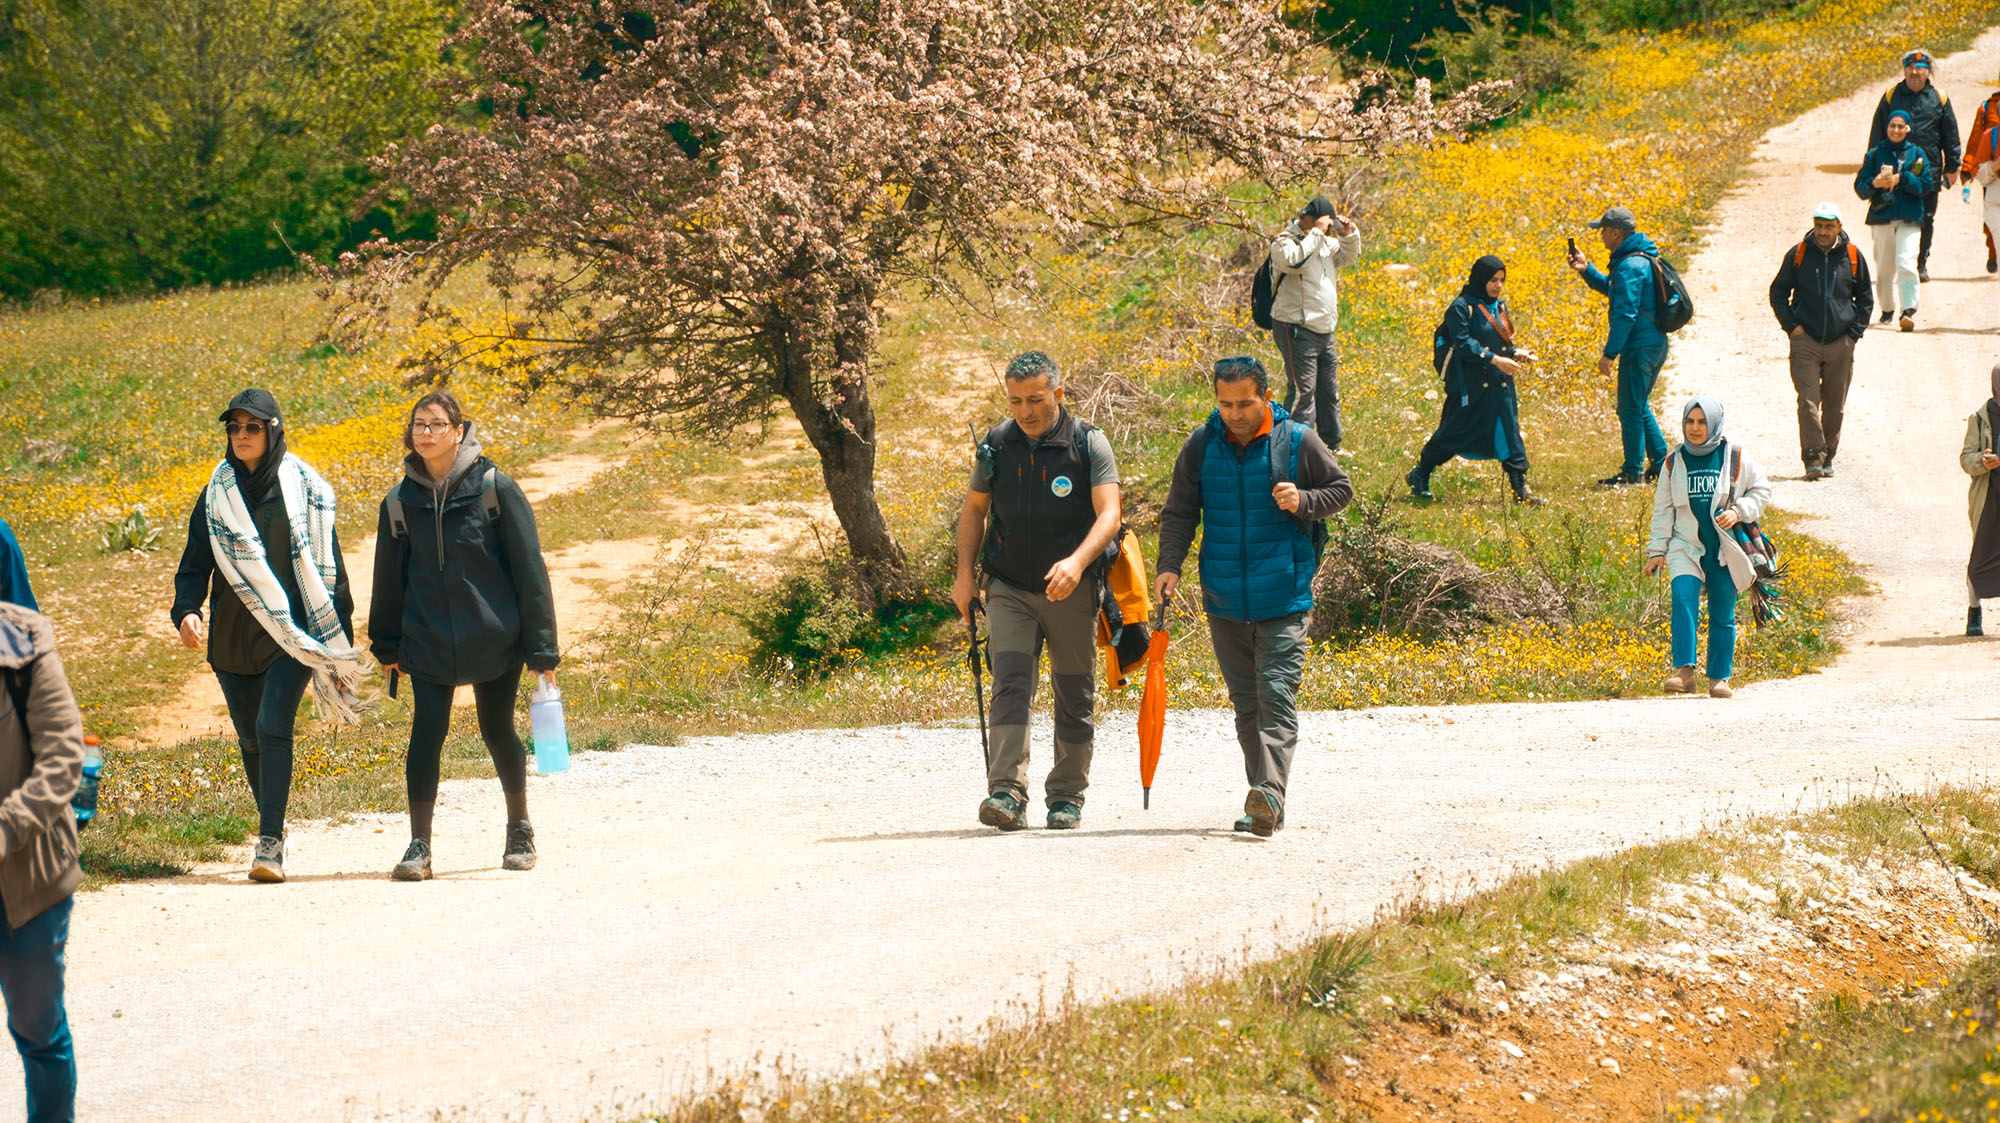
(257,403)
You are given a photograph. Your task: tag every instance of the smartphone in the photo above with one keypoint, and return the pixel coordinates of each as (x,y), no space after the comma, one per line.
(1572,247)
(393,676)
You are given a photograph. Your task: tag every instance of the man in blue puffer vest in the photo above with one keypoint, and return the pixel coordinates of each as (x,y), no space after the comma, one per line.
(1635,345)
(1258,483)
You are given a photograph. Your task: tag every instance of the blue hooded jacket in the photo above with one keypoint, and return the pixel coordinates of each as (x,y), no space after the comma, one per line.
(14,587)
(1905,201)
(1630,287)
(1257,561)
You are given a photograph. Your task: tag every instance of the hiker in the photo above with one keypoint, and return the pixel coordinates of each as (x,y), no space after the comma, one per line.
(1709,486)
(1258,484)
(14,587)
(1822,301)
(1040,532)
(1933,130)
(1982,571)
(1982,164)
(1634,345)
(41,763)
(1482,408)
(461,597)
(1305,308)
(1894,177)
(262,548)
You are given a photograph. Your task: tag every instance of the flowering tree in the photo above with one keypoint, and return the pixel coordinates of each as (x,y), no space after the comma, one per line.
(695,210)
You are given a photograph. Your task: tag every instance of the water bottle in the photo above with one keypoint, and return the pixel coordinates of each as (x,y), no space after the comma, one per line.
(1965,193)
(85,801)
(545,714)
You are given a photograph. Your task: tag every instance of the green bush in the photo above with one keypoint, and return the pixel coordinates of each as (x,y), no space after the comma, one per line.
(823,618)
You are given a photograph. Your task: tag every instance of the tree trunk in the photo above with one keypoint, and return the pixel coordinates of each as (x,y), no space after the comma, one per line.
(839,419)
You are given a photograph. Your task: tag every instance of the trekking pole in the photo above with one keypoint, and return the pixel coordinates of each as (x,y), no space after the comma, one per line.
(978,689)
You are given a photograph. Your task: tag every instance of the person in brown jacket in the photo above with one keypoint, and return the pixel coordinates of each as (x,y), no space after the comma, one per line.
(41,761)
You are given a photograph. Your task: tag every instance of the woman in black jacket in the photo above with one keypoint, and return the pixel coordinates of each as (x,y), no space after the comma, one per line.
(1482,411)
(461,598)
(264,561)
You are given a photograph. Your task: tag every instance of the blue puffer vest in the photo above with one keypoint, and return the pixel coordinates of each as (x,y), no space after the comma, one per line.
(1257,561)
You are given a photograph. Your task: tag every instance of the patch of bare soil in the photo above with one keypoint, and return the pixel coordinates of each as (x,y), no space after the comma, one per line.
(1622,1032)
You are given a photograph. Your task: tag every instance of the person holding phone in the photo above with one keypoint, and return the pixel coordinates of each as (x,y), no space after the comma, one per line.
(1895,177)
(1482,407)
(1634,346)
(462,598)
(1982,570)
(262,548)
(1305,309)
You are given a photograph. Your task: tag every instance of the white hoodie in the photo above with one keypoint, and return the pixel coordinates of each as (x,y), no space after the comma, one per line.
(1677,537)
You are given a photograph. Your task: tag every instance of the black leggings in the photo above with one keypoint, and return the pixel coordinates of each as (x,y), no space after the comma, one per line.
(495,700)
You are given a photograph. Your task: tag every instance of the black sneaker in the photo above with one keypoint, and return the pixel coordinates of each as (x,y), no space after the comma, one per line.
(1993,265)
(1622,479)
(1972,622)
(268,863)
(1420,485)
(1887,315)
(1002,810)
(1909,320)
(1923,273)
(520,851)
(1064,815)
(416,863)
(1264,811)
(1653,469)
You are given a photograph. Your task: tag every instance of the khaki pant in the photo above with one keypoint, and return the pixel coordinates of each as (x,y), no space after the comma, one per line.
(1262,663)
(1019,623)
(1821,373)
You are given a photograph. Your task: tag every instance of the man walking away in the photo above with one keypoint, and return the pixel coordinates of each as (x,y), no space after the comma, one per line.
(1305,309)
(1044,502)
(41,761)
(1257,482)
(1982,164)
(1933,128)
(1822,301)
(1635,345)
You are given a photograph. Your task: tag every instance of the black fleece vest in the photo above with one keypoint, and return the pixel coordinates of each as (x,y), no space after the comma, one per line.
(1041,500)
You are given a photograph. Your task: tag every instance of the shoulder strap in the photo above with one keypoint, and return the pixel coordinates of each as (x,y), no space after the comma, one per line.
(489,493)
(399,526)
(1799,254)
(17,692)
(1853,259)
(1735,470)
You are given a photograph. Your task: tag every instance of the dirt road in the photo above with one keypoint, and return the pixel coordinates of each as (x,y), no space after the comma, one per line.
(820,896)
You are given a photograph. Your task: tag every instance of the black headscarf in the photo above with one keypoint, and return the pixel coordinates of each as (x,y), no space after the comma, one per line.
(1482,272)
(258,484)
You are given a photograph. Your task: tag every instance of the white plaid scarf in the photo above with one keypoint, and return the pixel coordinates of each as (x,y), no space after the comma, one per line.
(241,558)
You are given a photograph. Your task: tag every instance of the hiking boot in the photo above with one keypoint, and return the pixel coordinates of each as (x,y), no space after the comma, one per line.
(1264,811)
(1681,681)
(520,851)
(1002,810)
(1064,815)
(268,864)
(1815,461)
(1972,622)
(1993,265)
(1624,478)
(1653,469)
(1826,468)
(1720,689)
(1420,484)
(416,863)
(1247,825)
(1908,322)
(1519,482)
(1887,315)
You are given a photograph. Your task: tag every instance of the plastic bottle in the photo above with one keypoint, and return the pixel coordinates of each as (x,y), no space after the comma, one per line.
(1965,193)
(85,800)
(545,714)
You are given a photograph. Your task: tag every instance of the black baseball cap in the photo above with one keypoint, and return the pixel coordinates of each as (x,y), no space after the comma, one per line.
(257,403)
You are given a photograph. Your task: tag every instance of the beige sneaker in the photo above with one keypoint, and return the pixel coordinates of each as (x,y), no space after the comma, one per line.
(1720,689)
(268,863)
(1680,682)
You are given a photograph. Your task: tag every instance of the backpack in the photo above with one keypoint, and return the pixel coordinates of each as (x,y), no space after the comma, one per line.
(489,498)
(1125,607)
(1263,294)
(1672,306)
(86,789)
(1440,350)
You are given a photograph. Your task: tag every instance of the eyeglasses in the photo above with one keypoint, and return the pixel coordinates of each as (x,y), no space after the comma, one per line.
(253,428)
(430,428)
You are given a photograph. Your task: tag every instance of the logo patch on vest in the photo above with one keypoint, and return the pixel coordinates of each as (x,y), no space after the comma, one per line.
(1061,486)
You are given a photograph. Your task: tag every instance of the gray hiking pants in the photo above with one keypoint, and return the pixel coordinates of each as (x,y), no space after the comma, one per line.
(1312,377)
(1019,623)
(1262,663)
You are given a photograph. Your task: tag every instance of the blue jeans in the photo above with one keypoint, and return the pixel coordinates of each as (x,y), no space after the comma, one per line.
(1721,619)
(263,708)
(1637,371)
(31,977)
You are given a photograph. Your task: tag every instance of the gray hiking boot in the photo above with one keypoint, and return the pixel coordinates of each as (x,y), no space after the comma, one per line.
(1264,810)
(1002,810)
(416,863)
(268,864)
(1064,815)
(520,852)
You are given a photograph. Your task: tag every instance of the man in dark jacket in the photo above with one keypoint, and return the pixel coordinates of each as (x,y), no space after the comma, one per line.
(1822,299)
(1933,128)
(41,762)
(1259,483)
(1633,344)
(1043,505)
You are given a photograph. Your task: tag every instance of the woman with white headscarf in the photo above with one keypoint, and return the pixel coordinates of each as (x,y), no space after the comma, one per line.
(1708,485)
(1982,572)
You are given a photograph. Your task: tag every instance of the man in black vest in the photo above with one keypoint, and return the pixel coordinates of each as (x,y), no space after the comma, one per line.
(1050,485)
(1933,128)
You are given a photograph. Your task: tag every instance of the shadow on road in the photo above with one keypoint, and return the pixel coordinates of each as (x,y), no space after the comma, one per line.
(237,878)
(1929,641)
(946,836)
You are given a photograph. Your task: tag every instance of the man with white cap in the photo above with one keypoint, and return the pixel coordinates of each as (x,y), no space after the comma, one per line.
(1822,299)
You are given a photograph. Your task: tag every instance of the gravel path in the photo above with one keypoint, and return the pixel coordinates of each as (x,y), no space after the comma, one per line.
(819,896)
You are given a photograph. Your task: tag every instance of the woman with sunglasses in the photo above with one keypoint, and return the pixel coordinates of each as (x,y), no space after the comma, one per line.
(461,598)
(261,548)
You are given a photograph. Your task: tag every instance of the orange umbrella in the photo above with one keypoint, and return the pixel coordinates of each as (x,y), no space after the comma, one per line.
(1153,706)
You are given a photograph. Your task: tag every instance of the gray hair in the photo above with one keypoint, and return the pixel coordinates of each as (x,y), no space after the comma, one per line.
(1034,364)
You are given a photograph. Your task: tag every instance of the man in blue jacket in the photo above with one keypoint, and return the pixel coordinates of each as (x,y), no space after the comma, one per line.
(1259,484)
(1634,345)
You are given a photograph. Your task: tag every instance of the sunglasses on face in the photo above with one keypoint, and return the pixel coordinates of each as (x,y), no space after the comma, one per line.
(253,428)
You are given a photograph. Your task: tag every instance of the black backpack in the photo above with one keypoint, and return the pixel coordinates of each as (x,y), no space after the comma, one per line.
(1672,306)
(1263,294)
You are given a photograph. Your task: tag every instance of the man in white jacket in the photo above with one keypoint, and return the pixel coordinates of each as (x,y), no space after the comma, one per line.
(1305,308)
